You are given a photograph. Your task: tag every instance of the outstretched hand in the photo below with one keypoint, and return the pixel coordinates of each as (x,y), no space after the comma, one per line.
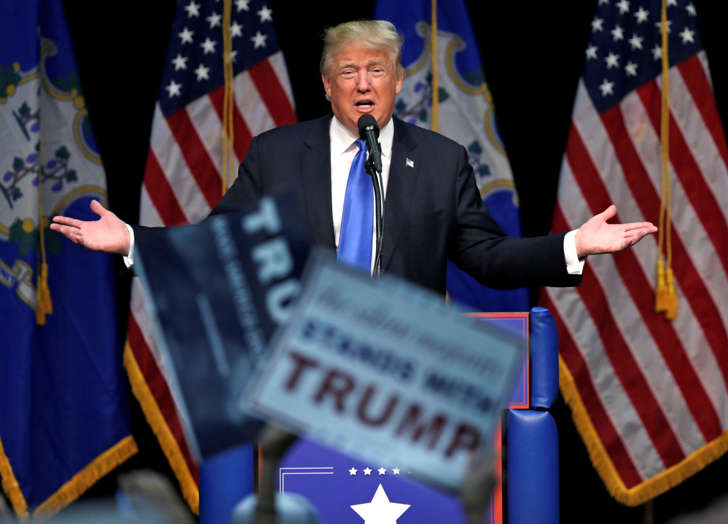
(596,236)
(107,234)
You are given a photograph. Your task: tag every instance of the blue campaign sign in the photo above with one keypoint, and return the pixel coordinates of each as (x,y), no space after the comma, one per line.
(386,372)
(218,290)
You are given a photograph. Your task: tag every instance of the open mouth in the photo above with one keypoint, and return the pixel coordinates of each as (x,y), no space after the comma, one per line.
(365,105)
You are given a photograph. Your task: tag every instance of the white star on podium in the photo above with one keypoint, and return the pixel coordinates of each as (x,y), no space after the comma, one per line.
(380,510)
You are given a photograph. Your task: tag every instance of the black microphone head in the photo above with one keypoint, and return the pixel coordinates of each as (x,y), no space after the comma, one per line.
(367,121)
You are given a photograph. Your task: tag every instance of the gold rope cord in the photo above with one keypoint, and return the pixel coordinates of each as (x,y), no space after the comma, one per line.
(666,300)
(228,101)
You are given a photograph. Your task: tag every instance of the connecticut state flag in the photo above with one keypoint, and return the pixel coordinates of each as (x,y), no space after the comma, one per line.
(444,90)
(63,396)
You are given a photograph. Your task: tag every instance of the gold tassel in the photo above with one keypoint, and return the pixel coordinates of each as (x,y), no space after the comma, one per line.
(45,305)
(661,288)
(670,298)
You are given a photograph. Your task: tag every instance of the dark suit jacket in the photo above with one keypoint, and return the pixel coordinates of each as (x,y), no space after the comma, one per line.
(433,211)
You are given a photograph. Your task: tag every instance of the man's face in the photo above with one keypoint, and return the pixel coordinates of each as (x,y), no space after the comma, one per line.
(361,80)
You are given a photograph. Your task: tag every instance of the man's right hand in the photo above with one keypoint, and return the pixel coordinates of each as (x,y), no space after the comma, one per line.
(108,234)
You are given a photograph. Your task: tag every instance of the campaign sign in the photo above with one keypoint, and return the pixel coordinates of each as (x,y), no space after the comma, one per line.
(218,290)
(386,371)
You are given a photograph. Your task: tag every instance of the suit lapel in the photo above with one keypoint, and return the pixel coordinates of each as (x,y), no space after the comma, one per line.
(401,179)
(315,182)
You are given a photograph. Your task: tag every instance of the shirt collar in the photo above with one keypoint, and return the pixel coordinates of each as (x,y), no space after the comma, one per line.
(342,138)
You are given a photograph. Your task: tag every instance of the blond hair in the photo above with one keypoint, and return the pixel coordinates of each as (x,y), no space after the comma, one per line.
(377,34)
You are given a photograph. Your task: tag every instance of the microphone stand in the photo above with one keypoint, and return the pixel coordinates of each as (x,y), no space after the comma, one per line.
(378,214)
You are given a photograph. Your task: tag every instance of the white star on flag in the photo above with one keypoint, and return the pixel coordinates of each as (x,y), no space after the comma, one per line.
(606,87)
(236,29)
(635,42)
(180,62)
(186,35)
(617,33)
(208,46)
(265,14)
(641,15)
(380,510)
(173,89)
(367,470)
(687,36)
(214,20)
(658,25)
(657,52)
(259,39)
(352,471)
(192,9)
(612,60)
(242,5)
(202,72)
(382,471)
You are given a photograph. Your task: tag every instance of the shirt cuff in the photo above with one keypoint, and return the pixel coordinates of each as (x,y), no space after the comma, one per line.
(574,265)
(129,258)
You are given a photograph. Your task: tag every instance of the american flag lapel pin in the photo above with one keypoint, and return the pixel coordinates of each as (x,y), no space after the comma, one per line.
(409,162)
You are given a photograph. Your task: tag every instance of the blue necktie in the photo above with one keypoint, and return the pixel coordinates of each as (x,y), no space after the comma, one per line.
(355,237)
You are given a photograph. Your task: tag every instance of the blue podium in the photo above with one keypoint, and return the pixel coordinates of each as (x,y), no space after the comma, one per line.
(342,488)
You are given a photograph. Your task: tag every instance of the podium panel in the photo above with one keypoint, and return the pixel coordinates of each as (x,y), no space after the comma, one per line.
(345,490)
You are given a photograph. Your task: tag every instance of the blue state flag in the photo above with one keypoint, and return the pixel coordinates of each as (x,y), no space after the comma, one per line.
(64,419)
(461,110)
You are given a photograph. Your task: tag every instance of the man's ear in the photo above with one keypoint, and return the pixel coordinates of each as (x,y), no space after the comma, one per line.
(327,85)
(400,79)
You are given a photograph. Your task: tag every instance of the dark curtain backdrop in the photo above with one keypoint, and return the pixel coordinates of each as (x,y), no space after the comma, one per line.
(532,55)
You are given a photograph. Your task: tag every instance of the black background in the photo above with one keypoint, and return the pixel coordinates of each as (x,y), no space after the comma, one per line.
(532,54)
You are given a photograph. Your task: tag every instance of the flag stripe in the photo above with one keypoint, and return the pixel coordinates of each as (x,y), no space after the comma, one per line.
(161,194)
(279,68)
(600,420)
(241,133)
(644,348)
(208,128)
(669,344)
(698,84)
(691,271)
(691,283)
(254,113)
(273,96)
(196,157)
(159,388)
(171,159)
(700,196)
(151,215)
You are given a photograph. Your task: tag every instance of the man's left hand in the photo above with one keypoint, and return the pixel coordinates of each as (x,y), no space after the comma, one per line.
(596,236)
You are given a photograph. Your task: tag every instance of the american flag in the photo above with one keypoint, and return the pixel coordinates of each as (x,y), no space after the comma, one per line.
(183,179)
(649,395)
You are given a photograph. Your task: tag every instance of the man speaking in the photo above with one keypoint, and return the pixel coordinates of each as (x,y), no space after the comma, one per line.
(432,210)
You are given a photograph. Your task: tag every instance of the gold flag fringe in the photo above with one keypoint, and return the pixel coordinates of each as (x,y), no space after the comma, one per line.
(11,486)
(86,478)
(70,490)
(167,442)
(651,487)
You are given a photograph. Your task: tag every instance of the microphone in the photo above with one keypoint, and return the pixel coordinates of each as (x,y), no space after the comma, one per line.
(369,132)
